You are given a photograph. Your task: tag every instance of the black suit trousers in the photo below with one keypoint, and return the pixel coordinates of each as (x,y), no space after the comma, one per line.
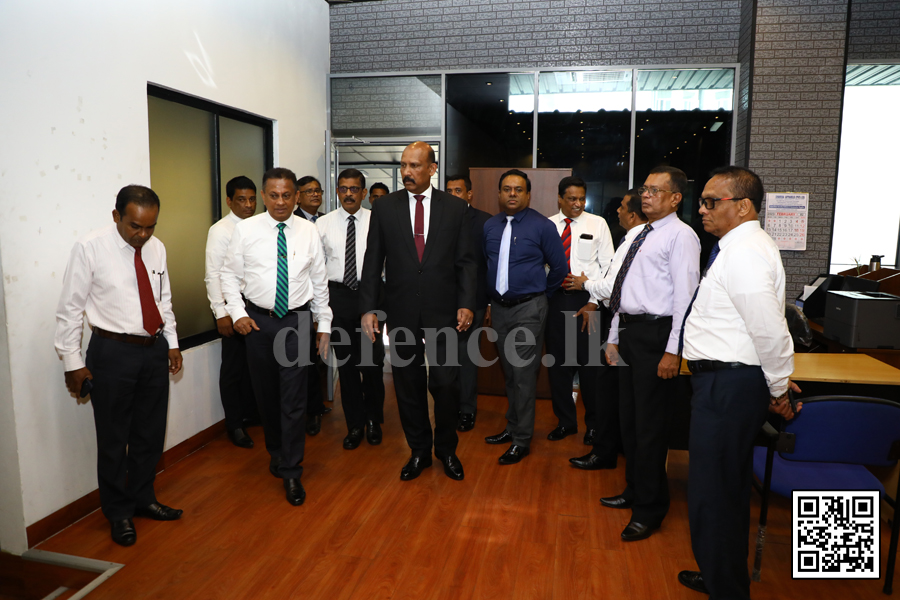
(643,399)
(361,374)
(412,383)
(130,400)
(281,389)
(728,408)
(235,387)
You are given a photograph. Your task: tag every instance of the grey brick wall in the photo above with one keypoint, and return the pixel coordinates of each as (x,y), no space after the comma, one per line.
(798,78)
(742,102)
(409,105)
(874,30)
(404,35)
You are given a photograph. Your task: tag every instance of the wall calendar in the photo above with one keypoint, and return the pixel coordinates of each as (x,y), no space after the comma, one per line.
(786,215)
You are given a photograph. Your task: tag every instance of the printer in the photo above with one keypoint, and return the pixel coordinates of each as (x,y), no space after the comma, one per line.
(862,319)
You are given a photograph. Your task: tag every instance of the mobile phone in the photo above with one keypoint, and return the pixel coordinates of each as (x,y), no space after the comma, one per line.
(86,387)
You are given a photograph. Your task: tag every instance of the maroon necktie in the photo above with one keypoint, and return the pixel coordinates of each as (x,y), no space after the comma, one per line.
(419,230)
(567,244)
(152,320)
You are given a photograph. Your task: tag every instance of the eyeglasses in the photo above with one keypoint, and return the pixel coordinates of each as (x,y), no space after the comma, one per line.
(710,203)
(352,189)
(651,191)
(313,192)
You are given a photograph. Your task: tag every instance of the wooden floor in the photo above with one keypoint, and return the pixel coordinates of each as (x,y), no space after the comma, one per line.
(529,531)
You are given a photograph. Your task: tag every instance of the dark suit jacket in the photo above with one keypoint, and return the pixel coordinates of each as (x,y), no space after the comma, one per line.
(478,218)
(429,293)
(299,212)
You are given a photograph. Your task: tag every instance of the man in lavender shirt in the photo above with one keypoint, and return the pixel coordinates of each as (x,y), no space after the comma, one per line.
(650,296)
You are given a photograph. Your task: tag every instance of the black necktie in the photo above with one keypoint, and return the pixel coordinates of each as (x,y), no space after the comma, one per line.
(350,255)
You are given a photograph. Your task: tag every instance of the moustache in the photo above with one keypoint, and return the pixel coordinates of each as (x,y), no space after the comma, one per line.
(408,179)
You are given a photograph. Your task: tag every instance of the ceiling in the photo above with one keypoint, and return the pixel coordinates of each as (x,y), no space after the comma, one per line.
(873,75)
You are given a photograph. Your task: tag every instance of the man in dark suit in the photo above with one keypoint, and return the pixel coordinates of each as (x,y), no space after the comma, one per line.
(309,199)
(461,187)
(421,237)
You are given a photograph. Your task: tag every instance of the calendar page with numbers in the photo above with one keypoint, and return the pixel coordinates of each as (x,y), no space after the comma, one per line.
(786,219)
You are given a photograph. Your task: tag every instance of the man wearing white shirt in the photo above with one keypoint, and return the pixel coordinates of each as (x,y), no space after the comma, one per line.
(344,232)
(235,388)
(604,454)
(276,259)
(117,277)
(740,354)
(589,250)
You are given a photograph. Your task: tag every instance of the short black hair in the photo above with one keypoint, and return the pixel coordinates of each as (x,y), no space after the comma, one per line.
(280,173)
(519,174)
(632,202)
(135,194)
(306,180)
(379,186)
(571,181)
(676,176)
(744,183)
(239,183)
(464,178)
(352,174)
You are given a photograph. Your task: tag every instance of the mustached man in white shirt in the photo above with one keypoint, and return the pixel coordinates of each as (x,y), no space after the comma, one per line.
(344,232)
(235,388)
(607,440)
(276,259)
(117,277)
(740,354)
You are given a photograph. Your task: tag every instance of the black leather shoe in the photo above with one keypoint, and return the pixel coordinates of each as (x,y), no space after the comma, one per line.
(240,438)
(326,409)
(123,532)
(501,438)
(635,531)
(561,433)
(373,433)
(158,512)
(592,462)
(616,502)
(274,463)
(313,424)
(466,422)
(514,455)
(413,468)
(693,580)
(294,492)
(452,467)
(353,439)
(589,436)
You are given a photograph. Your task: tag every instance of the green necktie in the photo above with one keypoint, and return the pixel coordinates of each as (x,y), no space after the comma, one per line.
(281,286)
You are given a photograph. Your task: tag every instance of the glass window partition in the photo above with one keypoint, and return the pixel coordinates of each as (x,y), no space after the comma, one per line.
(386,106)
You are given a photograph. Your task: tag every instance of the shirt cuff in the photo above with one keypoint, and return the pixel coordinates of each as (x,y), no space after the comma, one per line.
(73,362)
(324,325)
(172,338)
(220,312)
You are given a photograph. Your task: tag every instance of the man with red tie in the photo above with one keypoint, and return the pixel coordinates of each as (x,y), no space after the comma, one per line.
(117,277)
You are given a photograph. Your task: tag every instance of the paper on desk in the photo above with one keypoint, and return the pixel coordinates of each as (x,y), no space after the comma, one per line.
(808,290)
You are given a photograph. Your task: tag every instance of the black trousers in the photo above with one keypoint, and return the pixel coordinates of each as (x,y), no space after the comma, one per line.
(235,387)
(130,400)
(608,440)
(468,370)
(281,386)
(362,377)
(412,384)
(562,375)
(643,398)
(317,381)
(728,409)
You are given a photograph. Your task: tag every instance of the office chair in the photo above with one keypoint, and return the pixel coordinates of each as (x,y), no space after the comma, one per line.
(833,436)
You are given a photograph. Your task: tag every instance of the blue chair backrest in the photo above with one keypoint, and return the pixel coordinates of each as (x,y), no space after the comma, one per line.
(845,429)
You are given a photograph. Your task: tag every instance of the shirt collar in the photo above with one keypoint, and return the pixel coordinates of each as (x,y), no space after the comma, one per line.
(668,219)
(561,217)
(120,242)
(426,193)
(234,217)
(738,232)
(345,215)
(521,214)
(273,223)
(309,216)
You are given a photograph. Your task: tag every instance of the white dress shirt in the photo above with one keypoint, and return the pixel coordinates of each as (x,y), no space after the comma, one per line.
(101,282)
(252,264)
(216,246)
(738,315)
(333,232)
(589,256)
(426,210)
(602,288)
(662,277)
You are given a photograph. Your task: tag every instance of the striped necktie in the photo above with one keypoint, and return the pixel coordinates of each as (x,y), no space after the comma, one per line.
(616,297)
(281,285)
(567,246)
(712,258)
(350,255)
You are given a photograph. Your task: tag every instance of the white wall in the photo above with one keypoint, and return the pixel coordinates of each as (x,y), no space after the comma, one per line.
(74,131)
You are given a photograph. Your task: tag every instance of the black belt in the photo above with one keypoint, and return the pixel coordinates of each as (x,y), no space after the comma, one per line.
(626,318)
(507,303)
(704,366)
(138,340)
(271,313)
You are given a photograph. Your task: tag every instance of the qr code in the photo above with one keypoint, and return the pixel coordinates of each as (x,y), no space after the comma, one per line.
(835,534)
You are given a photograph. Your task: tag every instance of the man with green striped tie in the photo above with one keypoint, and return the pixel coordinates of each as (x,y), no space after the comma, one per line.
(276,259)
